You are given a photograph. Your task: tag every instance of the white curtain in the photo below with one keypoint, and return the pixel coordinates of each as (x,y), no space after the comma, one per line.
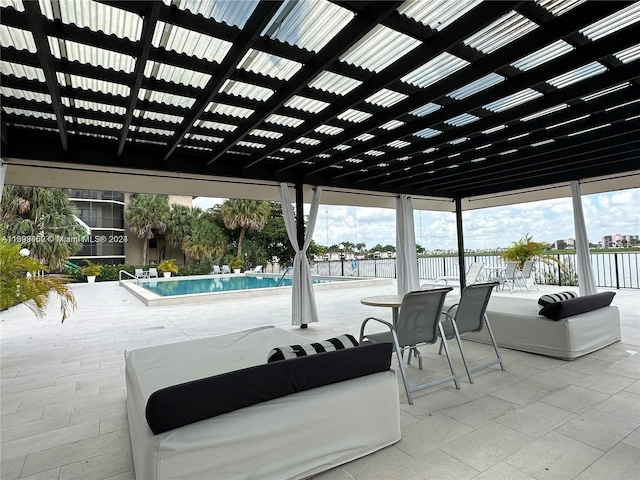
(586,279)
(407,258)
(3,171)
(303,300)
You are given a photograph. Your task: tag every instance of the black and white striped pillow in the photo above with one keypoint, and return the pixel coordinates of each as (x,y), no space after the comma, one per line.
(293,351)
(545,300)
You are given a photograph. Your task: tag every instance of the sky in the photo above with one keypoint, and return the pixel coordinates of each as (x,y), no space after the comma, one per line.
(546,221)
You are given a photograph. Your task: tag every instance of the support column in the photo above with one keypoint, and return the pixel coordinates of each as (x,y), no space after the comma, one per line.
(462,272)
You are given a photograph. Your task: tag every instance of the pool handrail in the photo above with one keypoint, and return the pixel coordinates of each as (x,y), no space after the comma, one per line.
(126,273)
(286,270)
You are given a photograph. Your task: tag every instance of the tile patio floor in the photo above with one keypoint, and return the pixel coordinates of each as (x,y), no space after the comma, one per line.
(63,393)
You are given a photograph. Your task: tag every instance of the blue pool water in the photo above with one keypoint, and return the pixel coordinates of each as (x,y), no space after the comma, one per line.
(217,284)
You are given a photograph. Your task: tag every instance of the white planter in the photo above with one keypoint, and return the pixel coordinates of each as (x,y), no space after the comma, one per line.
(91,279)
(166,274)
(236,270)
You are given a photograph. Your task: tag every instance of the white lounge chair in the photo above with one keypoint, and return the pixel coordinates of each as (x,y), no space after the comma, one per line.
(140,273)
(257,269)
(216,269)
(472,276)
(226,269)
(153,272)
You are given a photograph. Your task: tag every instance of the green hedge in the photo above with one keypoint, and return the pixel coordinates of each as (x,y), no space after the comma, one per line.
(111,272)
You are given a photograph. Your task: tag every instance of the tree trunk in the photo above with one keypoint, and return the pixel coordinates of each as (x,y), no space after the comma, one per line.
(145,244)
(240,242)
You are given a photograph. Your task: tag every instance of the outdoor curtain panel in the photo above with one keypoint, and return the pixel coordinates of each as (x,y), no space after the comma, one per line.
(303,300)
(407,258)
(586,279)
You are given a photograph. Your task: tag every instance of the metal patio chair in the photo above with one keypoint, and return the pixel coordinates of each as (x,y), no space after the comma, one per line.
(470,316)
(527,273)
(419,323)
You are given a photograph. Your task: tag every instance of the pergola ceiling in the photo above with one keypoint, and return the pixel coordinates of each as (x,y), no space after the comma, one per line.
(437,98)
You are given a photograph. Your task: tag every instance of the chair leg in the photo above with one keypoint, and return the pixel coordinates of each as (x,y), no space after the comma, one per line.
(464,358)
(493,341)
(446,349)
(396,346)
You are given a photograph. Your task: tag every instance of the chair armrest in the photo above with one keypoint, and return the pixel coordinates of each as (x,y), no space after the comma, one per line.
(366,320)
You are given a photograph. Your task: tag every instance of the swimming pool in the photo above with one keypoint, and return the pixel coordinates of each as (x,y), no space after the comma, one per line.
(189,286)
(189,290)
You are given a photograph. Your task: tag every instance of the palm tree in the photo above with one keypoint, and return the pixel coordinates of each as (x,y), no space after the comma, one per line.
(206,241)
(147,216)
(245,215)
(42,220)
(182,219)
(20,282)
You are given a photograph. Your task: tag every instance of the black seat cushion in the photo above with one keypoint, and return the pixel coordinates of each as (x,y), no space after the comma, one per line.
(576,306)
(190,402)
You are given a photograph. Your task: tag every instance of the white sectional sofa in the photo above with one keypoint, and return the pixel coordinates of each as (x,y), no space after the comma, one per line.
(587,324)
(281,420)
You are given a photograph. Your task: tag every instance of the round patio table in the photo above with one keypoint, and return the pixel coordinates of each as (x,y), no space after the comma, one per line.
(393,301)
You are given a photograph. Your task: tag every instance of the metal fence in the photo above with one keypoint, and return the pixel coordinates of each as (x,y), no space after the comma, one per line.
(613,270)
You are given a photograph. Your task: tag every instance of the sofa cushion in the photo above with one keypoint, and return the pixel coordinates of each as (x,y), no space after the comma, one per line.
(330,345)
(576,306)
(545,300)
(190,402)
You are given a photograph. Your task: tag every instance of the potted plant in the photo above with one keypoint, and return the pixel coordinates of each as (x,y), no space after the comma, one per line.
(167,267)
(236,264)
(91,271)
(527,249)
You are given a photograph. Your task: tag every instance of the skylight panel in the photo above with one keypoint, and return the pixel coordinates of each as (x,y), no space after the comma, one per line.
(398,144)
(95,16)
(477,86)
(334,83)
(605,91)
(29,113)
(162,117)
(427,133)
(155,131)
(544,112)
(629,54)
(342,147)
(545,54)
(94,106)
(501,32)
(189,42)
(558,7)
(87,54)
(393,124)
(16,4)
(379,48)
(307,141)
(223,127)
(269,65)
(284,120)
(353,160)
(385,98)
(497,128)
(425,109)
(231,12)
(365,137)
(171,73)
(293,151)
(85,83)
(203,138)
(512,100)
(577,75)
(374,153)
(25,94)
(598,127)
(566,122)
(544,142)
(306,104)
(613,23)
(435,70)
(353,116)
(17,38)
(166,98)
(328,130)
(463,119)
(98,123)
(243,143)
(437,14)
(256,132)
(229,110)
(458,140)
(246,90)
(22,71)
(309,25)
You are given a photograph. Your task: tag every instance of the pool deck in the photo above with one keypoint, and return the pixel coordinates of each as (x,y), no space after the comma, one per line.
(63,392)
